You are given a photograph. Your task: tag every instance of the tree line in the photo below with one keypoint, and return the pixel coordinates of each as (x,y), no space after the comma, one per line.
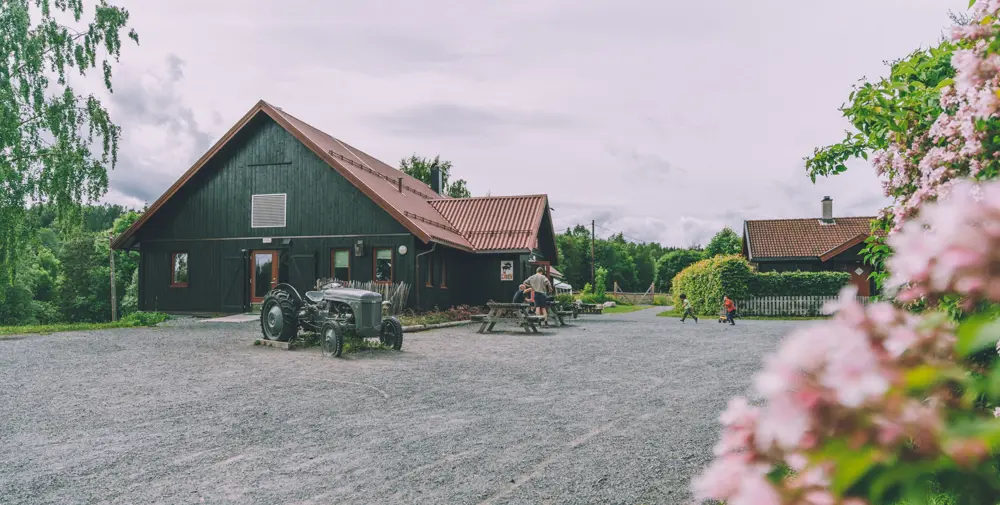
(635,266)
(63,274)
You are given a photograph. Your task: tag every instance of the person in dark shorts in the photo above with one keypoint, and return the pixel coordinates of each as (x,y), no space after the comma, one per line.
(687,309)
(541,306)
(730,310)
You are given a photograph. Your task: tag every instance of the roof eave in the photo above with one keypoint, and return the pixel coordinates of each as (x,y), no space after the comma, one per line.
(746,234)
(832,253)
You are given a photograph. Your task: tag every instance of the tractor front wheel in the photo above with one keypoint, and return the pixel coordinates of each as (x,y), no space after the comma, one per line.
(391,333)
(333,339)
(277,317)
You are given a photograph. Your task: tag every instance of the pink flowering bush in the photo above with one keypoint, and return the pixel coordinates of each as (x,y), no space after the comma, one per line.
(885,402)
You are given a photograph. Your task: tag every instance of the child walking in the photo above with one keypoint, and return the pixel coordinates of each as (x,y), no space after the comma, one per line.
(687,309)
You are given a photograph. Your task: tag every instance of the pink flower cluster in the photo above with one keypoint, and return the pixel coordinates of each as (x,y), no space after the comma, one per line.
(952,246)
(838,380)
(917,169)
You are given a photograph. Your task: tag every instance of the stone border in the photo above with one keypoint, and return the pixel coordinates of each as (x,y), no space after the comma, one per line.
(424,327)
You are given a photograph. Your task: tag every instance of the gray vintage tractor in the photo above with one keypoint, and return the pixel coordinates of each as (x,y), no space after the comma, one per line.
(332,311)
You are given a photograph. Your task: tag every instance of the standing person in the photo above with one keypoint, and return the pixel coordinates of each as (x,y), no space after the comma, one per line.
(542,286)
(730,310)
(687,309)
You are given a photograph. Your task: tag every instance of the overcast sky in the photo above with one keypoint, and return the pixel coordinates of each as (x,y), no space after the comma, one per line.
(665,120)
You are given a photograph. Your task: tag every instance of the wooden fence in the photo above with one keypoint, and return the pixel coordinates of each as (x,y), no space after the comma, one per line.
(783,306)
(635,298)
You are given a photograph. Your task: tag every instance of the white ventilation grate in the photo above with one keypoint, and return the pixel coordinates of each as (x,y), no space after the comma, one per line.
(267,211)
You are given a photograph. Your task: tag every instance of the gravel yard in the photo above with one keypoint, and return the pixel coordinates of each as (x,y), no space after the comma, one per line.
(618,409)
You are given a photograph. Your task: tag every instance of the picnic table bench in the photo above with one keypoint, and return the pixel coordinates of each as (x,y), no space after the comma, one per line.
(517,313)
(564,311)
(591,308)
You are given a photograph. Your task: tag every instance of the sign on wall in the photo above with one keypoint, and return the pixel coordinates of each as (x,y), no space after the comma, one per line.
(506,270)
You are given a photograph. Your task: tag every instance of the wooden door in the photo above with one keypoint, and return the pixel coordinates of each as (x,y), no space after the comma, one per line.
(859,277)
(263,274)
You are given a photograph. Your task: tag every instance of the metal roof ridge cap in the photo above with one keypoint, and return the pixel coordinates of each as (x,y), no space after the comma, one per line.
(354,177)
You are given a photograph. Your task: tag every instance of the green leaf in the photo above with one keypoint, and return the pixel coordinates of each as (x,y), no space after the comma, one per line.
(851,467)
(922,377)
(977,334)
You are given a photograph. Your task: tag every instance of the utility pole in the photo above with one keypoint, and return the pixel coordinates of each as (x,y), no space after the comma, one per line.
(114,300)
(593,268)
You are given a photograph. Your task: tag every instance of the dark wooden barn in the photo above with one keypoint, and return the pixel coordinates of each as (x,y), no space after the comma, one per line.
(277,200)
(811,245)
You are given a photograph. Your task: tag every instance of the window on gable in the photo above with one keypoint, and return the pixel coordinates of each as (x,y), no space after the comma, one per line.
(179,270)
(383,265)
(268,211)
(341,265)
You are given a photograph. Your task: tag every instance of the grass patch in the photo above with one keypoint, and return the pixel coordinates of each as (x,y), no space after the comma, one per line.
(624,309)
(130,321)
(678,313)
(432,318)
(352,344)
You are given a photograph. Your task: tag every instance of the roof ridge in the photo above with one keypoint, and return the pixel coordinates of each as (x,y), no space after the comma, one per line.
(469,198)
(355,151)
(807,218)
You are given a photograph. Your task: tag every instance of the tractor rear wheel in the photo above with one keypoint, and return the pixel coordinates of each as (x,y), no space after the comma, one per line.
(391,333)
(278,320)
(332,336)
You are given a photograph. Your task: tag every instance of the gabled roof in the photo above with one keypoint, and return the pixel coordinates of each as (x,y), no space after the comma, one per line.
(469,222)
(496,223)
(804,238)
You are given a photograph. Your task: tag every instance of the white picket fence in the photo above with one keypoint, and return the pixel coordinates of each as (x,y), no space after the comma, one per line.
(783,306)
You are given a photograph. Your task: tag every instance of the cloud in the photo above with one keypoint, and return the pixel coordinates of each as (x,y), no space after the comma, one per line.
(161,136)
(641,114)
(642,164)
(456,120)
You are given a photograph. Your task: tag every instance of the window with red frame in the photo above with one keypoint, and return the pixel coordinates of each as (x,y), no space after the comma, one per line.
(179,270)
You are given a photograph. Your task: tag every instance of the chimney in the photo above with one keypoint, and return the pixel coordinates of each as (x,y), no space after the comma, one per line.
(436,180)
(827,209)
(400,184)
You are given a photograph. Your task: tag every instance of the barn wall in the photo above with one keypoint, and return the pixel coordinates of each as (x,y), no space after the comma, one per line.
(219,270)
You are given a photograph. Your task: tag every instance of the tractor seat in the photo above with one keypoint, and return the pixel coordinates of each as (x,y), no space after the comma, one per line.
(314,296)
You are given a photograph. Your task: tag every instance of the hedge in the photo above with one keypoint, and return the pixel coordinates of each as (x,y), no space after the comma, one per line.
(798,283)
(706,282)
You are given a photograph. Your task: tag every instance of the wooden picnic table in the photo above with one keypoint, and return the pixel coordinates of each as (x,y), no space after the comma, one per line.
(517,313)
(563,311)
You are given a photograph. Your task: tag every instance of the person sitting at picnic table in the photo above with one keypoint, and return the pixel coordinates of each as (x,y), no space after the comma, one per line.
(541,286)
(519,295)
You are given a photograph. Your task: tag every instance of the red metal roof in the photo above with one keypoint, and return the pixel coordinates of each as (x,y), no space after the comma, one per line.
(496,223)
(800,238)
(383,181)
(474,224)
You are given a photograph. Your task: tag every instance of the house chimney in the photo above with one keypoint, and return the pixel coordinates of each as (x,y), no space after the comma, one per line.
(400,184)
(827,209)
(436,180)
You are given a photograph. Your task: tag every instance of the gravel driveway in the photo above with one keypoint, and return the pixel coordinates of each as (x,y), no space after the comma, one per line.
(617,409)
